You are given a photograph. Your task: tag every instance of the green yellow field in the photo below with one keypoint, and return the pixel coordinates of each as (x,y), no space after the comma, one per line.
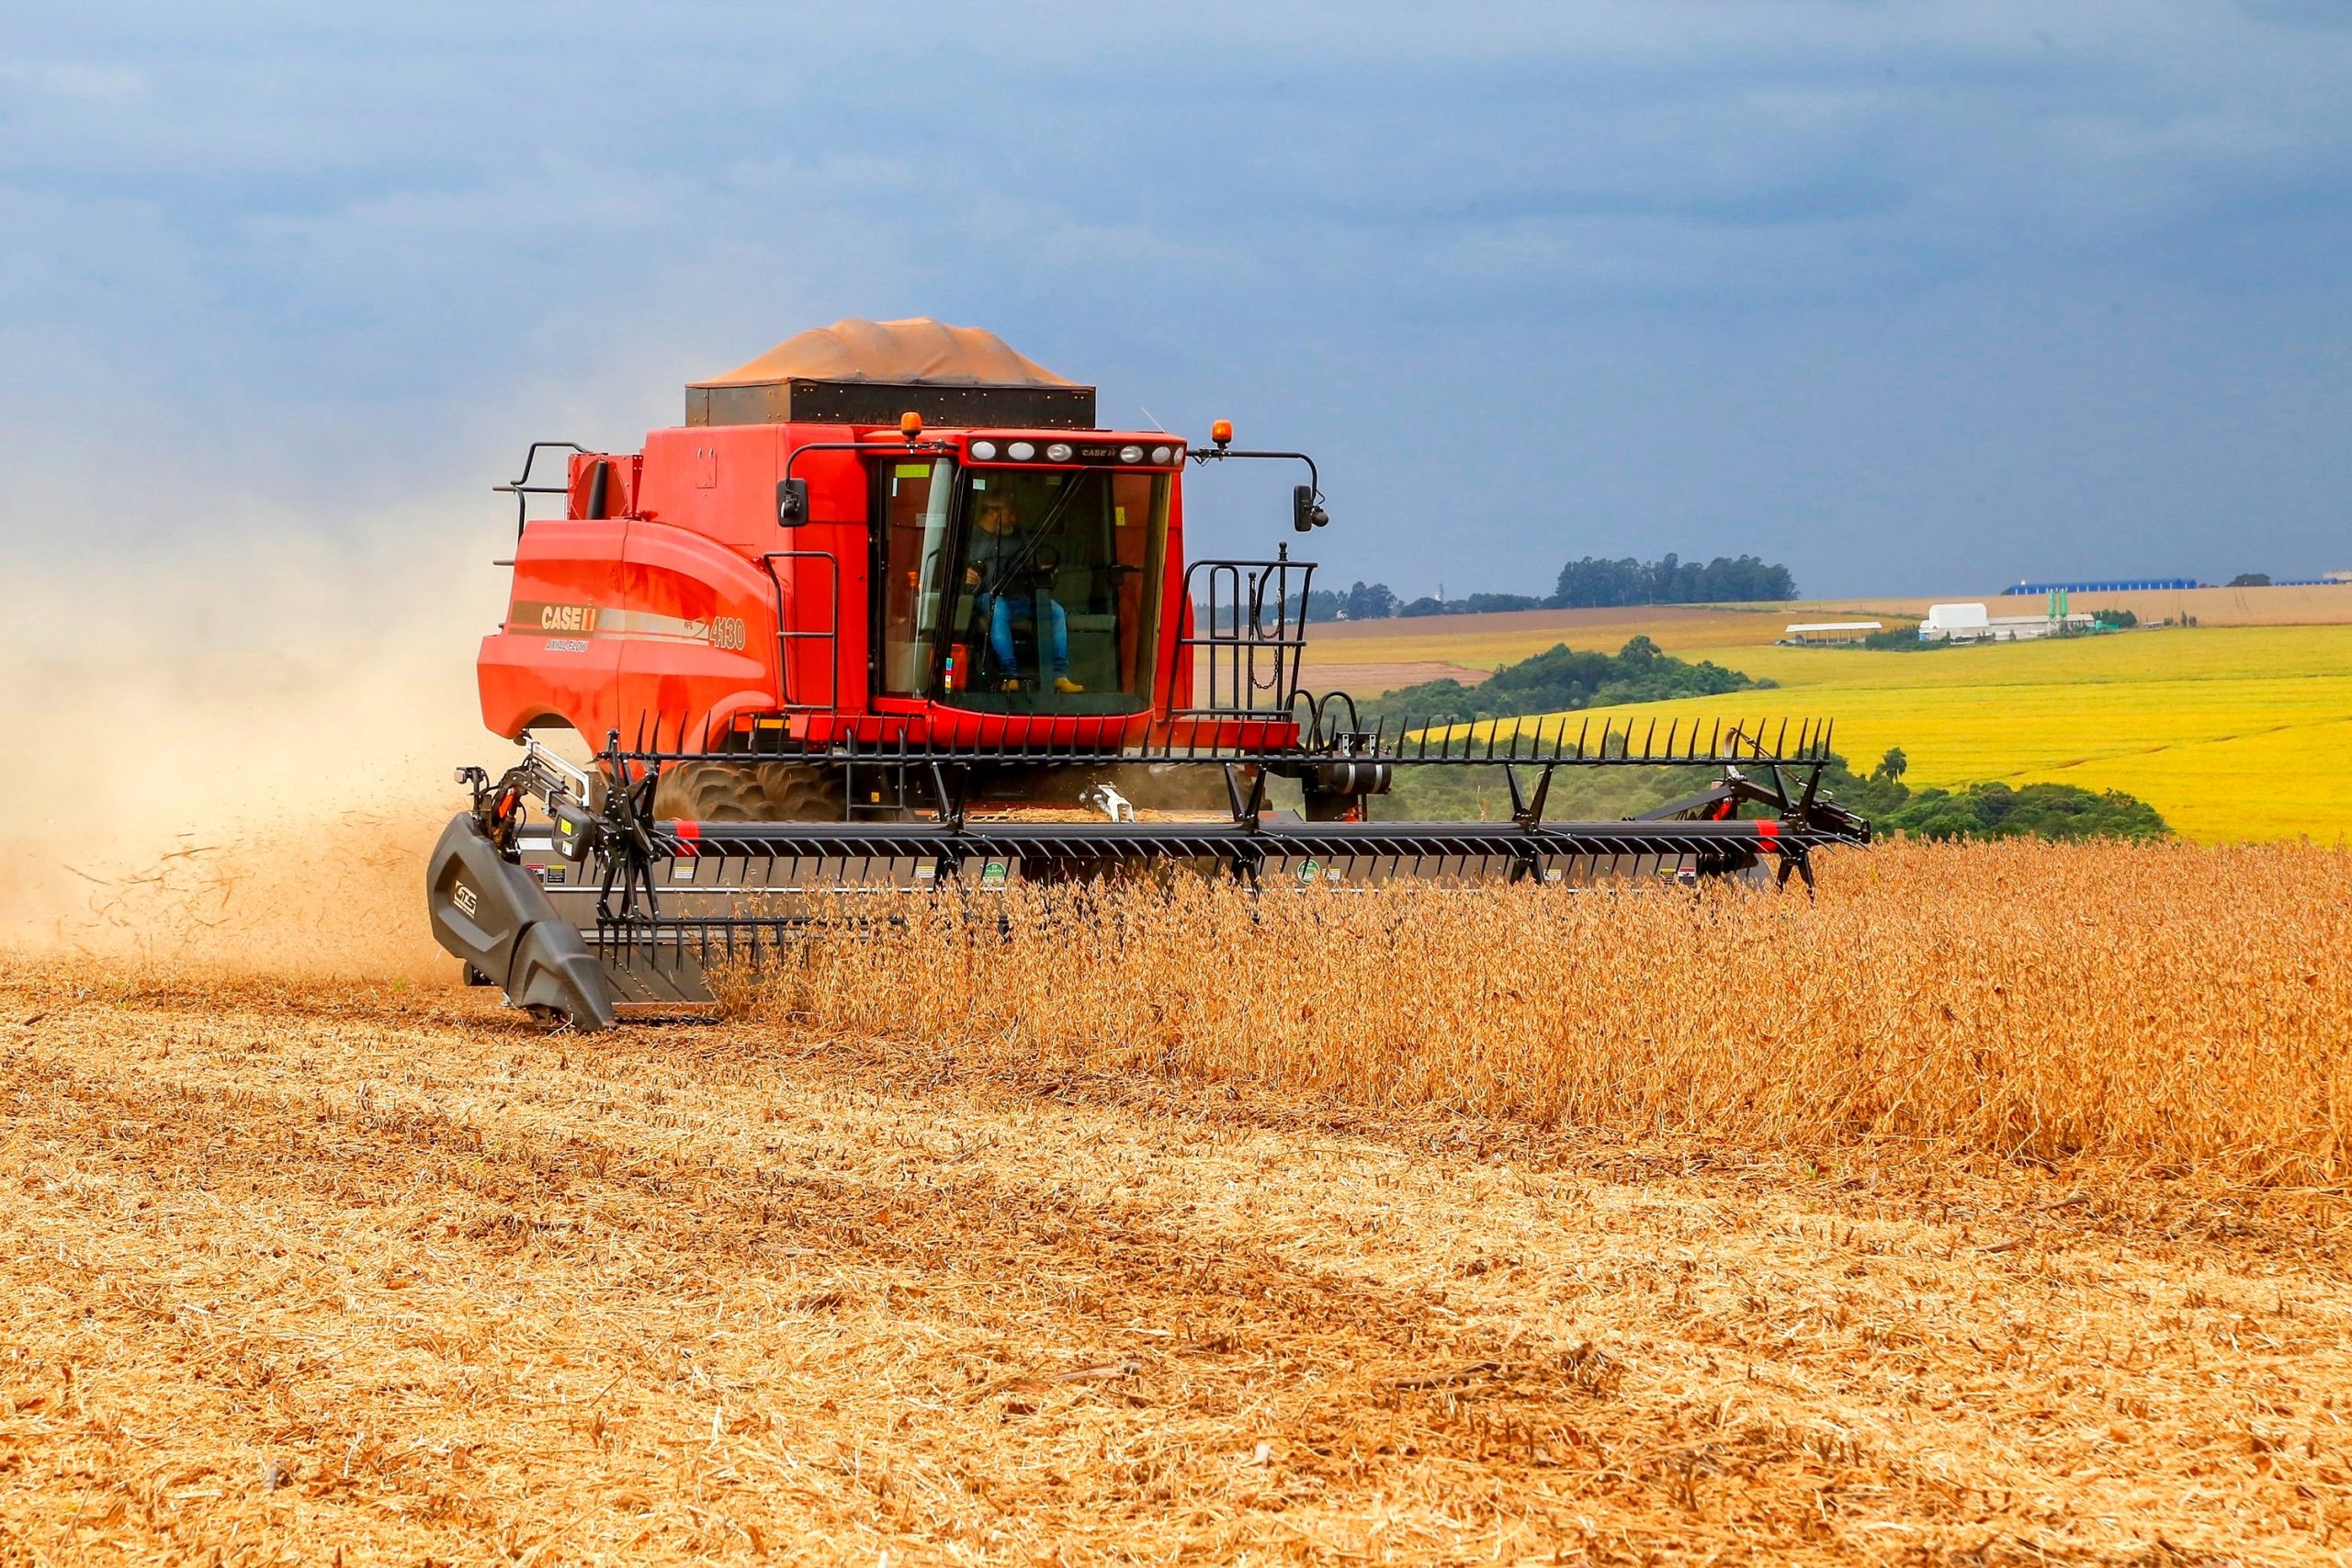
(2231,732)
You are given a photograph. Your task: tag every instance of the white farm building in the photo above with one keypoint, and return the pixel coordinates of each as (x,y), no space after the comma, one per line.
(1969,623)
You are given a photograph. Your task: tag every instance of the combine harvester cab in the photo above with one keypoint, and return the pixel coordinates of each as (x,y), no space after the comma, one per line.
(890,613)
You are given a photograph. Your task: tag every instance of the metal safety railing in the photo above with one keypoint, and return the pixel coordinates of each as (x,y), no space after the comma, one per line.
(1247,636)
(785,634)
(521,488)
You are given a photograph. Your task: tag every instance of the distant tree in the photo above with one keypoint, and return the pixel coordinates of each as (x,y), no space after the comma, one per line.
(1370,602)
(2251,580)
(1989,810)
(1491,603)
(2034,810)
(1593,582)
(1474,604)
(1892,766)
(2115,617)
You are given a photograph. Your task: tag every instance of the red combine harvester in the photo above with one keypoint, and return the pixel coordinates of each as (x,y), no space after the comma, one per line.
(890,611)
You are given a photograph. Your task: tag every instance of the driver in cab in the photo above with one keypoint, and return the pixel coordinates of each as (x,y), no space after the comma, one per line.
(1004,570)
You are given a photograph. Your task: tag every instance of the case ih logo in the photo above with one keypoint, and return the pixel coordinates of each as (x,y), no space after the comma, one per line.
(726,632)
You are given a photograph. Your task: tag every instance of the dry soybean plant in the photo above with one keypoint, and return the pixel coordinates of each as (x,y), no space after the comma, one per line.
(2178,1006)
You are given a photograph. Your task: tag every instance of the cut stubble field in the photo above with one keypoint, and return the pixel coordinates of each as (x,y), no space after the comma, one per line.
(2003,1228)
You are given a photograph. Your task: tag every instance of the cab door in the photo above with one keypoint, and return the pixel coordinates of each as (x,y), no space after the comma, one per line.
(913,548)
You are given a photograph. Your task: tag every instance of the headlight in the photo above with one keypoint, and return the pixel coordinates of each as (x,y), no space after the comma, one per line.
(983,450)
(1131,454)
(1020,451)
(1160,454)
(1058,453)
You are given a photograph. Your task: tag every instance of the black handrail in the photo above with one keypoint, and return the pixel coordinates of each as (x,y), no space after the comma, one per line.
(1233,649)
(785,633)
(522,489)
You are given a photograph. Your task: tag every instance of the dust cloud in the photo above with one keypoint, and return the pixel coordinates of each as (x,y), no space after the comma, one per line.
(238,754)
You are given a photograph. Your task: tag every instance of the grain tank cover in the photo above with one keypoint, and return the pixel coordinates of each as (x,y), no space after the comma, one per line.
(857,372)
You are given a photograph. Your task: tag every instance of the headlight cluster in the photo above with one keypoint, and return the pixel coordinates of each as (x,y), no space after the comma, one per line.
(985,451)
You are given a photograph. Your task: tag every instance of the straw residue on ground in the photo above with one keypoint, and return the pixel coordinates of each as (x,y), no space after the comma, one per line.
(289,1273)
(937,1267)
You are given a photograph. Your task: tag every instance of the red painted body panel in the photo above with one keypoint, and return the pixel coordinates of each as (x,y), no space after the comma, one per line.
(704,650)
(532,672)
(666,613)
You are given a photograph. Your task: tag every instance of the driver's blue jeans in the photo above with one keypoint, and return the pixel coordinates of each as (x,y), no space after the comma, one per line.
(1000,619)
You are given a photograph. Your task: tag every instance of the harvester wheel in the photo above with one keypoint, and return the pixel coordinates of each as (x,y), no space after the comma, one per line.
(750,792)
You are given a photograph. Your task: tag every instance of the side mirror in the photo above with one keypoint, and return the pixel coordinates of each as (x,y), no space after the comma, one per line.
(1305,515)
(791,503)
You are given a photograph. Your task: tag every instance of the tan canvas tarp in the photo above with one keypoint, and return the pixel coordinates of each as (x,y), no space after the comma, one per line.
(917,350)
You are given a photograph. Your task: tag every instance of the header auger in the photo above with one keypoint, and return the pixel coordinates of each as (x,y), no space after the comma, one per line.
(890,613)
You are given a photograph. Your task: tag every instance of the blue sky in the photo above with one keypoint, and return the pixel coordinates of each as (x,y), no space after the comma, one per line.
(1917,298)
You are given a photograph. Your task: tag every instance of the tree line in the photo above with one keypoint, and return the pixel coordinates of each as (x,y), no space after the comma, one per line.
(1591,582)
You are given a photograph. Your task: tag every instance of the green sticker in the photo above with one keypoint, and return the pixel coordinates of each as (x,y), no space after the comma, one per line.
(993,874)
(914,470)
(1308,870)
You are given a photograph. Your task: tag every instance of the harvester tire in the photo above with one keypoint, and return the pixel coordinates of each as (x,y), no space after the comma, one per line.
(750,792)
